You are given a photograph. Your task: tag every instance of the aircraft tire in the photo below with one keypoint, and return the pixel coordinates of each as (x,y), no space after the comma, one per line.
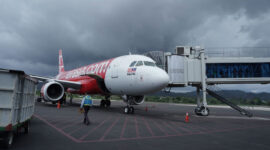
(131,110)
(108,103)
(126,110)
(102,103)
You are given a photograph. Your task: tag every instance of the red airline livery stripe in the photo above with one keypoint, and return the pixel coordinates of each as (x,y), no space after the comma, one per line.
(99,68)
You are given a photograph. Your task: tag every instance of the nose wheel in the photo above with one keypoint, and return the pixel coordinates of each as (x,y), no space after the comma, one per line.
(128,110)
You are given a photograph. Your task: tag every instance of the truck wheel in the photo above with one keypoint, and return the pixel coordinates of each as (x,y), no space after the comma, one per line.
(39,99)
(8,139)
(26,127)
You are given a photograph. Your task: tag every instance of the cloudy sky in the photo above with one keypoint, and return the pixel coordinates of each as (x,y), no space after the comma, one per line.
(31,32)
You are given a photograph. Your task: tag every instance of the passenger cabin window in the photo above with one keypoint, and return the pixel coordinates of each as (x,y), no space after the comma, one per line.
(140,63)
(148,63)
(132,64)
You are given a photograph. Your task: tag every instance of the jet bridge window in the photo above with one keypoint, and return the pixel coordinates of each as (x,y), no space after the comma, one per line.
(238,70)
(148,63)
(140,63)
(132,64)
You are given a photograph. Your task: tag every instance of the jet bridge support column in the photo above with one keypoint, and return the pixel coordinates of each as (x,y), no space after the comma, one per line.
(203,79)
(198,97)
(198,109)
(202,108)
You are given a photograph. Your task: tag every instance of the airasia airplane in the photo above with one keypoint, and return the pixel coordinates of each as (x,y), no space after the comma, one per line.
(130,76)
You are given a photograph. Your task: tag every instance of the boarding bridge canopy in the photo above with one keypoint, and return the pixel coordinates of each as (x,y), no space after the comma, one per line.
(190,66)
(186,69)
(222,65)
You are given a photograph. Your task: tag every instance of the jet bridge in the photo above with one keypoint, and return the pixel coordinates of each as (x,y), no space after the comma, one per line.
(189,66)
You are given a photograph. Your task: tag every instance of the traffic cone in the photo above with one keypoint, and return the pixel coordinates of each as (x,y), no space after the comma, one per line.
(58,105)
(187,117)
(146,108)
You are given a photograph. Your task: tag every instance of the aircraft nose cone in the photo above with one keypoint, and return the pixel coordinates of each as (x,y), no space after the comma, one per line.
(152,80)
(163,79)
(158,80)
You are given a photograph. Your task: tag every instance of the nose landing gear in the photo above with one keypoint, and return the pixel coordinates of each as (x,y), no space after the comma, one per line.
(128,110)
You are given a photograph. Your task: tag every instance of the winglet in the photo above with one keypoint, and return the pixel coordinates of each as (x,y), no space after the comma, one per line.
(61,62)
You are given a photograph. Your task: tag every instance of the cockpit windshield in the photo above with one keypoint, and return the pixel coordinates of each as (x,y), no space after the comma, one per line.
(140,63)
(132,64)
(148,63)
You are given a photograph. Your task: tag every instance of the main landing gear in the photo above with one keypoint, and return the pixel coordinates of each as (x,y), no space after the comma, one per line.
(105,103)
(70,99)
(62,100)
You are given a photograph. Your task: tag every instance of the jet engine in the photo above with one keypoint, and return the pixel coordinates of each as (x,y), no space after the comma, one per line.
(53,91)
(134,100)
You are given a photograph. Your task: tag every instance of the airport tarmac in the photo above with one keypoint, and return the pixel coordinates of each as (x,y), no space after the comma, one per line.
(153,126)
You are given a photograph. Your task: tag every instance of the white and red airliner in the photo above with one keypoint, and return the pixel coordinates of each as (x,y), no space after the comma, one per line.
(130,76)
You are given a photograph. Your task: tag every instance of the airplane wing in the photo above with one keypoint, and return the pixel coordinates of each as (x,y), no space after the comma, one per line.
(100,81)
(66,84)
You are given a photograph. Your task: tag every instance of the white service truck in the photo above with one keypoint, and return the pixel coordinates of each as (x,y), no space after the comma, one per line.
(17,102)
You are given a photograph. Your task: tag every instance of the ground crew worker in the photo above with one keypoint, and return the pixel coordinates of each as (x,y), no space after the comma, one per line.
(86,104)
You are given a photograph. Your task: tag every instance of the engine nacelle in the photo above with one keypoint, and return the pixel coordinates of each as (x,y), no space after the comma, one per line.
(53,91)
(134,100)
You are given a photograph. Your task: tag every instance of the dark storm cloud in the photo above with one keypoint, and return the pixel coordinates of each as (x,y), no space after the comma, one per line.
(31,32)
(253,9)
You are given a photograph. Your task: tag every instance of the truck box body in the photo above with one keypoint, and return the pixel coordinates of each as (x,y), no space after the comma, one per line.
(17,99)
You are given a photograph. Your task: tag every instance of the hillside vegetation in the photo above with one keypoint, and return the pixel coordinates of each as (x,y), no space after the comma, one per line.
(237,97)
